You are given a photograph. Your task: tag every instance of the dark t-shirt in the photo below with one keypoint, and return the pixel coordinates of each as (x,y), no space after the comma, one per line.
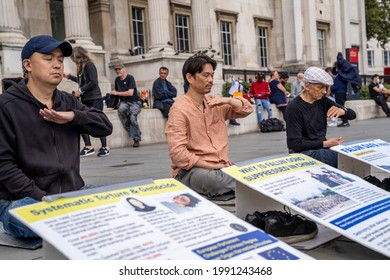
(306,124)
(124,85)
(373,93)
(277,96)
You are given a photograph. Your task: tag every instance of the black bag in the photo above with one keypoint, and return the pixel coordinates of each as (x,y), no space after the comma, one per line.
(272,124)
(111,101)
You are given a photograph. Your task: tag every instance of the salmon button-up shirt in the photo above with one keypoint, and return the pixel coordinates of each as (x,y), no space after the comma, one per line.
(193,133)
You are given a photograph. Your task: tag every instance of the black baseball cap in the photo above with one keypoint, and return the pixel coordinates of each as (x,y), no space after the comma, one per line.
(45,44)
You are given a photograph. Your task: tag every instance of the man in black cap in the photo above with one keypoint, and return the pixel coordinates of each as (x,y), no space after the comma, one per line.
(40,133)
(306,118)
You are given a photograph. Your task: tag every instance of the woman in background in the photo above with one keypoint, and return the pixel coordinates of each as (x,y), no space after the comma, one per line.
(89,93)
(279,94)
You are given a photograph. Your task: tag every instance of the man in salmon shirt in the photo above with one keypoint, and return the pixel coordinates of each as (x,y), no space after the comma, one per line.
(196,130)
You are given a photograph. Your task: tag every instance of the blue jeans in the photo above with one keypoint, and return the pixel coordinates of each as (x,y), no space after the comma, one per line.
(259,109)
(128,112)
(326,156)
(11,225)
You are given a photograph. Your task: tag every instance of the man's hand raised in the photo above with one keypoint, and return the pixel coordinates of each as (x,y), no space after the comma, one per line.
(57,117)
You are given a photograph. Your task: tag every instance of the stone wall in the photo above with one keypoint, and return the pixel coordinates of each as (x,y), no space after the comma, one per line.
(152,124)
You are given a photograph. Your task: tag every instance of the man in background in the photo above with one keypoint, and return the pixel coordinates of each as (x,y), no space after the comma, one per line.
(129,102)
(297,86)
(379,94)
(163,92)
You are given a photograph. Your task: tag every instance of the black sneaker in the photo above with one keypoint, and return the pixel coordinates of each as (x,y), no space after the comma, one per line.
(136,144)
(86,152)
(103,152)
(234,122)
(284,226)
(343,124)
(373,180)
(386,184)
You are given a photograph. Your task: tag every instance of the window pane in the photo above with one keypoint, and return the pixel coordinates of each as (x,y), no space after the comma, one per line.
(138,30)
(226,41)
(321,46)
(386,58)
(182,33)
(263,47)
(57,19)
(370,57)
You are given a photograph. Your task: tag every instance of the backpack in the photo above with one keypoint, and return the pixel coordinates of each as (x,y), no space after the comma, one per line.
(272,124)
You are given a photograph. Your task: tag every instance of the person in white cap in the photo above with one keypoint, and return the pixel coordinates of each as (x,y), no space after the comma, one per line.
(306,118)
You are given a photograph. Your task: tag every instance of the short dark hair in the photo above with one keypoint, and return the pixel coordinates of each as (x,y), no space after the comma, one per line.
(193,200)
(374,76)
(195,64)
(163,68)
(284,75)
(260,76)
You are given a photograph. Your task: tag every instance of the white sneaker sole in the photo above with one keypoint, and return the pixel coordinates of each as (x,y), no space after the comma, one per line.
(91,153)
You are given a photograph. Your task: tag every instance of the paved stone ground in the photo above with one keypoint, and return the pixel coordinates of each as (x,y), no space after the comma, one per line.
(152,161)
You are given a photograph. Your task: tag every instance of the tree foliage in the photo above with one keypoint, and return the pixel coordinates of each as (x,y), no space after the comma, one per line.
(378,21)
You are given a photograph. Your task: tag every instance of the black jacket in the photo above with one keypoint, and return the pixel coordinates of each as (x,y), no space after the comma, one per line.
(348,73)
(160,94)
(38,157)
(88,82)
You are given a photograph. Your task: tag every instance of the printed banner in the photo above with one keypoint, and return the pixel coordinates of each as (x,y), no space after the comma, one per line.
(338,200)
(162,219)
(374,152)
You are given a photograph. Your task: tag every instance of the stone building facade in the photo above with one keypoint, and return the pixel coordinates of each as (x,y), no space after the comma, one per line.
(283,35)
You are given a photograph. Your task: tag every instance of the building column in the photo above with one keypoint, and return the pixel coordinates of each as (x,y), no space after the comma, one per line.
(336,33)
(345,24)
(293,37)
(363,60)
(309,9)
(10,31)
(201,25)
(100,23)
(77,22)
(159,25)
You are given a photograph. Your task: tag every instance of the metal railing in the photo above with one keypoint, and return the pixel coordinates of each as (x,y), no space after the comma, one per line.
(250,74)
